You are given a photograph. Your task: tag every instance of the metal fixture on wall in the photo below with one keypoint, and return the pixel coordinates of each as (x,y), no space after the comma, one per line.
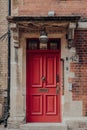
(43,36)
(70,38)
(70,43)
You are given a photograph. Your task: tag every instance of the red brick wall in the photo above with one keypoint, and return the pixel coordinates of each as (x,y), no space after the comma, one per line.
(65,7)
(80,69)
(61,7)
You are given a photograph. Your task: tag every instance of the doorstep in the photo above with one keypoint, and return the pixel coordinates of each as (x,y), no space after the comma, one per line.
(76,123)
(43,126)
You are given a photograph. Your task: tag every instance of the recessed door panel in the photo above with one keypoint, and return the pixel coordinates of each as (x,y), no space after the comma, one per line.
(36,105)
(51,106)
(36,71)
(50,71)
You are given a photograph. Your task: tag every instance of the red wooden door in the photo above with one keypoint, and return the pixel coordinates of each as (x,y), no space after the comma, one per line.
(43,94)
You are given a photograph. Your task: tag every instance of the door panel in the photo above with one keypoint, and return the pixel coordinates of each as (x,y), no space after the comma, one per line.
(36,71)
(42,102)
(51,108)
(50,70)
(36,105)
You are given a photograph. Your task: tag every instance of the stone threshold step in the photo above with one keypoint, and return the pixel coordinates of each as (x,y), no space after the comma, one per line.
(43,126)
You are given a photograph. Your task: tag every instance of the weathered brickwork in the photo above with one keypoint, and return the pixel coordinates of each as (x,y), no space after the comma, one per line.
(3,49)
(80,69)
(64,7)
(61,7)
(41,8)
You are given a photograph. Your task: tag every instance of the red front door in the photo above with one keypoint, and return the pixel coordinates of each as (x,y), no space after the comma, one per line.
(43,87)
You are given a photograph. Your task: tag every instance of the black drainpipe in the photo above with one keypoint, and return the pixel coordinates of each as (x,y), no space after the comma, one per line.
(9,43)
(7,104)
(9,68)
(8,87)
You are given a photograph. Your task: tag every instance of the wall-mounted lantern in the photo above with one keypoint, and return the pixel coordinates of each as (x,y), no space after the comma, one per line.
(70,34)
(70,44)
(70,38)
(43,36)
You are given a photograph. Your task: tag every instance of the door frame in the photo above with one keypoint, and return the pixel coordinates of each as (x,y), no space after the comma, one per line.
(47,51)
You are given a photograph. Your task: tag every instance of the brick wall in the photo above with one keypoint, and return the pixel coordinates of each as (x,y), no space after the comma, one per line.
(61,7)
(41,7)
(80,69)
(3,49)
(64,7)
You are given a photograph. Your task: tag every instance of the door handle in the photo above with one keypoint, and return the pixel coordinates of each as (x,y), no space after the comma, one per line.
(57,89)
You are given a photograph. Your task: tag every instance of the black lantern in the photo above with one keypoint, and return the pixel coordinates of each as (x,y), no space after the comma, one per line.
(70,38)
(70,43)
